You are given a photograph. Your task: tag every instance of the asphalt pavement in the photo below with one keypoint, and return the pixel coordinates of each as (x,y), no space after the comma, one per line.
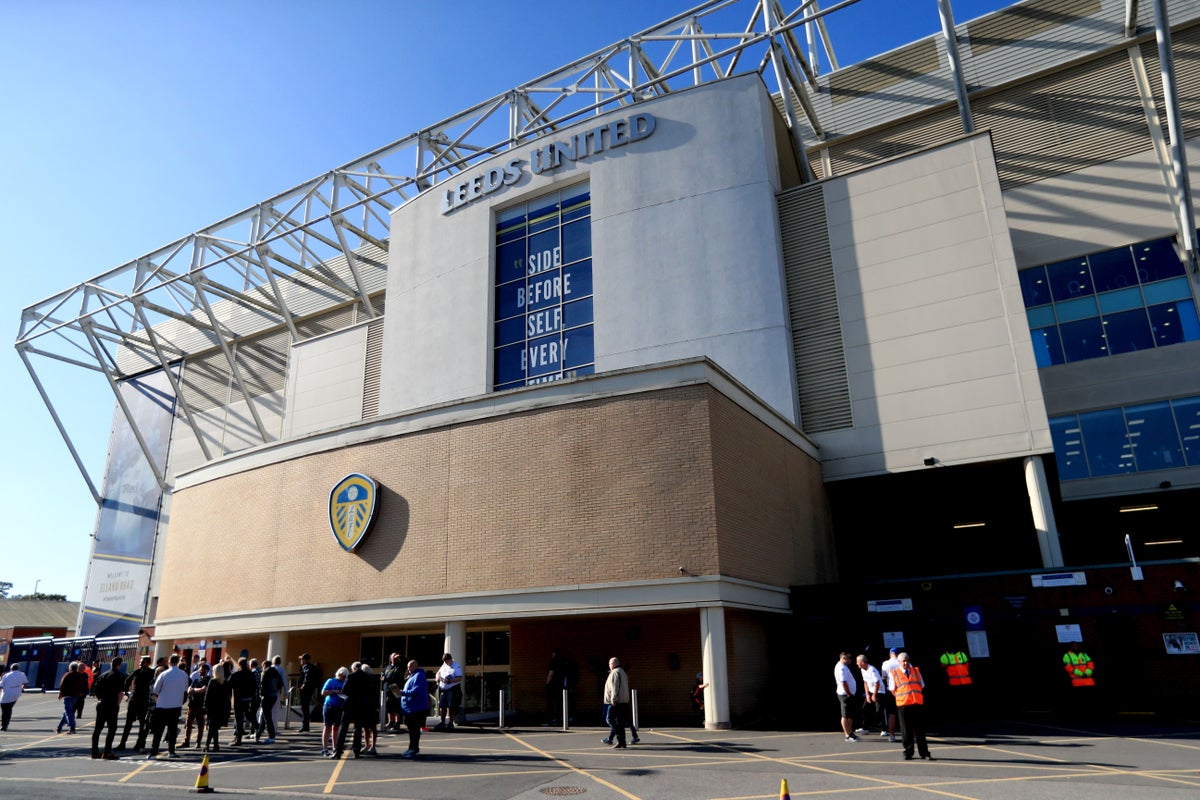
(1031,759)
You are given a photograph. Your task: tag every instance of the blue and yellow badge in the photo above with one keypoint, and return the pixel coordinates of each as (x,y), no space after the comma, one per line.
(352,510)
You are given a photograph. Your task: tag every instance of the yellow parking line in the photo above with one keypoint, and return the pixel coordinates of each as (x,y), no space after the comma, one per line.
(571,767)
(337,770)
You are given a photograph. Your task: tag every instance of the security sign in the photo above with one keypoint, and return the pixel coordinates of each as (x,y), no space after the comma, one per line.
(352,509)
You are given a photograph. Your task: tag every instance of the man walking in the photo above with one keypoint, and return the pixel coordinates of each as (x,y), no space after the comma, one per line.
(878,698)
(170,688)
(908,686)
(847,694)
(11,686)
(137,689)
(109,689)
(310,681)
(73,686)
(617,695)
(272,686)
(414,702)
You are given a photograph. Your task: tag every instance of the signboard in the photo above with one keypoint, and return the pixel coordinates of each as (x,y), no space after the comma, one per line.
(1181,644)
(1069,633)
(1060,579)
(885,606)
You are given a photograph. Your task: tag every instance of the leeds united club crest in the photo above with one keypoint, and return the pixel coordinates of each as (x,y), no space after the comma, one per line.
(352,509)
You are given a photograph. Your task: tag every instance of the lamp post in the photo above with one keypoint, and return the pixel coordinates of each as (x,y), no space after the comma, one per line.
(35,586)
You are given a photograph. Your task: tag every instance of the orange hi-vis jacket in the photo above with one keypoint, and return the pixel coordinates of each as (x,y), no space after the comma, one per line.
(956,668)
(1080,667)
(908,687)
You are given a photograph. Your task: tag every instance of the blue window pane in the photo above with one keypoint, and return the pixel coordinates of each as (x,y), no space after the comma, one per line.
(510,261)
(510,299)
(544,217)
(1040,317)
(511,330)
(544,252)
(579,346)
(1189,320)
(1068,448)
(576,203)
(540,323)
(544,356)
(587,369)
(1047,349)
(1128,331)
(544,289)
(1187,418)
(577,313)
(1069,279)
(509,364)
(577,241)
(1168,323)
(577,280)
(1034,287)
(1108,451)
(1112,269)
(1166,291)
(1153,436)
(1123,300)
(510,224)
(1079,308)
(1083,340)
(1157,261)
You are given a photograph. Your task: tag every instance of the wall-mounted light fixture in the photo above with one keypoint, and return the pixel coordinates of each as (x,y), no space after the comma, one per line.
(961,525)
(1146,507)
(930,461)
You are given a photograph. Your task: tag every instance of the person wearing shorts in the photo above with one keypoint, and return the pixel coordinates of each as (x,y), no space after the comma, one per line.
(449,681)
(847,692)
(331,711)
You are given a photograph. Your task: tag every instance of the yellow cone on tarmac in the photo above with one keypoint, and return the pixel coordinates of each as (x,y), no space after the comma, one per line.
(783,792)
(202,779)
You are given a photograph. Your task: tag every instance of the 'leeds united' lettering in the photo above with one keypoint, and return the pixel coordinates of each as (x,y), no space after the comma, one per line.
(582,145)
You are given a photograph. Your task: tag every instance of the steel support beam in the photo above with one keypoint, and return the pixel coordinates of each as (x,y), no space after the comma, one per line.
(950,36)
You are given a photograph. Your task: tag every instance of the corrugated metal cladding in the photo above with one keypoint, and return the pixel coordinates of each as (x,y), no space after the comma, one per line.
(1013,26)
(812,303)
(1068,121)
(896,140)
(913,61)
(372,369)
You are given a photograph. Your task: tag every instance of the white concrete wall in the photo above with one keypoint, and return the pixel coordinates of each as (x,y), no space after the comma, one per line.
(938,352)
(685,250)
(325,382)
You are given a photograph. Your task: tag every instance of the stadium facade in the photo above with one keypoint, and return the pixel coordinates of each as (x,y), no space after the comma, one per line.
(720,379)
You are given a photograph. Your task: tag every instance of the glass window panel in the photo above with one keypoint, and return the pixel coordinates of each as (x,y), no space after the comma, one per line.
(577,313)
(510,224)
(548,320)
(544,289)
(1079,308)
(1153,436)
(1083,340)
(544,356)
(1068,448)
(510,299)
(509,363)
(1189,320)
(426,648)
(1187,418)
(510,330)
(1166,324)
(1128,331)
(577,241)
(474,649)
(1112,269)
(1108,451)
(579,346)
(1040,317)
(577,280)
(544,252)
(1124,300)
(1156,260)
(495,648)
(1047,348)
(510,261)
(1166,291)
(576,203)
(1069,279)
(543,217)
(1034,287)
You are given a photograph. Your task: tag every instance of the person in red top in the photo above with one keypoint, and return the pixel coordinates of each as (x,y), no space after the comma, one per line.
(906,683)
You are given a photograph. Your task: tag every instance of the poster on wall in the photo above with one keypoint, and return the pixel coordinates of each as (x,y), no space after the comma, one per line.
(114,600)
(1181,644)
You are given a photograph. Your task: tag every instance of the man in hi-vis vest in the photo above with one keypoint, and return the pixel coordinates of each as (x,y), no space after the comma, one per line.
(1079,666)
(906,683)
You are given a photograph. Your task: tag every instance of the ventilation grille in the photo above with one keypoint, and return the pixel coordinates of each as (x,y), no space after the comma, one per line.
(1019,24)
(895,140)
(812,303)
(372,369)
(917,60)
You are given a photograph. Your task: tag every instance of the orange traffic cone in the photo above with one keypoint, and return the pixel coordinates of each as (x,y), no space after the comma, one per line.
(202,779)
(783,792)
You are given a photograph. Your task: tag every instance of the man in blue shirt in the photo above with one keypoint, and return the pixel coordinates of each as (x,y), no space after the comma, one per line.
(414,703)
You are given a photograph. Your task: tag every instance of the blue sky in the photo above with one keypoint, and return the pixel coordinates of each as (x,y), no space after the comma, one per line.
(129,124)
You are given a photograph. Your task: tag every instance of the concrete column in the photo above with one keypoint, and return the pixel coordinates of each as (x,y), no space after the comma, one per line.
(162,649)
(1043,512)
(277,644)
(456,641)
(715,668)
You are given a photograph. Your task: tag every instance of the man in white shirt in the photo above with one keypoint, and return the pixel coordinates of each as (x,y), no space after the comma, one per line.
(449,681)
(169,690)
(11,686)
(847,692)
(877,698)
